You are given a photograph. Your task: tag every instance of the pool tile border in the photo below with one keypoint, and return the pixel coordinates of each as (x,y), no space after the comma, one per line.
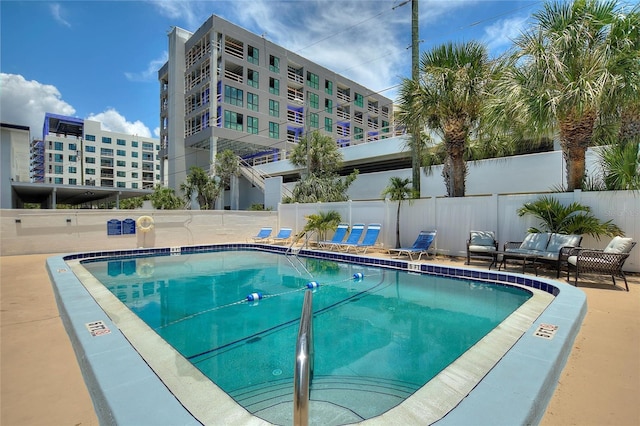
(526,406)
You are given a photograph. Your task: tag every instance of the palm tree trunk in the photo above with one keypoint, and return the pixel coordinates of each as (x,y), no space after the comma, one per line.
(398,226)
(455,138)
(575,138)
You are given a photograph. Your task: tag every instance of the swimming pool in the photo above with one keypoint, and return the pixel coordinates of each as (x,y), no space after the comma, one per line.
(431,402)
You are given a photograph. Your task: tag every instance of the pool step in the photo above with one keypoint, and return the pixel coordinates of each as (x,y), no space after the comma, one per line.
(334,400)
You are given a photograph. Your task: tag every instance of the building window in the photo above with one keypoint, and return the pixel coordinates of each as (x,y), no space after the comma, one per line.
(106,152)
(357,133)
(91,138)
(58,180)
(134,175)
(90,148)
(121,142)
(314,119)
(73,158)
(274,64)
(58,158)
(121,174)
(121,163)
(328,87)
(121,185)
(274,86)
(253,55)
(328,106)
(90,160)
(147,146)
(134,154)
(274,108)
(314,100)
(252,101)
(313,80)
(73,181)
(328,124)
(359,100)
(73,169)
(121,153)
(90,171)
(58,146)
(274,130)
(233,120)
(233,96)
(58,170)
(72,147)
(134,185)
(253,78)
(252,125)
(134,144)
(134,164)
(106,139)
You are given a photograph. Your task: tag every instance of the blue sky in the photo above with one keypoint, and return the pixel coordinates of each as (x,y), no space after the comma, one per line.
(99,59)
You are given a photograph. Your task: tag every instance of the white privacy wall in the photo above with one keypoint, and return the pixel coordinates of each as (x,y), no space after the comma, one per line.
(453,218)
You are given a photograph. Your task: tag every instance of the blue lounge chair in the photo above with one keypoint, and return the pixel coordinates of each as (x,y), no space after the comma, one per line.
(283,236)
(356,232)
(370,238)
(419,247)
(263,235)
(338,237)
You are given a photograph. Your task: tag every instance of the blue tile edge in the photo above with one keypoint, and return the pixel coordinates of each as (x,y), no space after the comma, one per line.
(491,402)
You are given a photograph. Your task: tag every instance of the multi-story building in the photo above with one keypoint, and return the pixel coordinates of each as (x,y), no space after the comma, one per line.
(78,152)
(224,87)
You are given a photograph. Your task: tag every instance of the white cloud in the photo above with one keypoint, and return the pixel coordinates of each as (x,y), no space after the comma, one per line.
(56,11)
(113,121)
(500,35)
(151,73)
(192,13)
(25,102)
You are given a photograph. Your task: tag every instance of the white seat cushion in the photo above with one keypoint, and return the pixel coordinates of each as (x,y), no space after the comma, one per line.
(486,249)
(482,238)
(557,241)
(535,241)
(619,245)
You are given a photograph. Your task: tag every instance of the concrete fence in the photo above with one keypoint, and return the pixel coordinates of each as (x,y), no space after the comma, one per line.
(67,231)
(70,231)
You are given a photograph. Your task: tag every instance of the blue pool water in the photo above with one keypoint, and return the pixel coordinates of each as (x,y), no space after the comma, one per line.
(377,340)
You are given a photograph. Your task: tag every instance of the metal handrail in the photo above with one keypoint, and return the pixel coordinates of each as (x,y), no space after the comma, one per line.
(303,371)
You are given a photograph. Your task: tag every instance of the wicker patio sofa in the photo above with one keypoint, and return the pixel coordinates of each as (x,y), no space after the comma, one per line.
(550,247)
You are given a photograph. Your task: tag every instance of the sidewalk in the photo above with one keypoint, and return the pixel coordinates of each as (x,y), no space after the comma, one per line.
(41,383)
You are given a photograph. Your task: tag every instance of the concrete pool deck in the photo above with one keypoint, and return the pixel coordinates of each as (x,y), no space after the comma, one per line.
(41,381)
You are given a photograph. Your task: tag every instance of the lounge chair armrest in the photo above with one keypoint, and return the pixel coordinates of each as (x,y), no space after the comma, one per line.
(567,251)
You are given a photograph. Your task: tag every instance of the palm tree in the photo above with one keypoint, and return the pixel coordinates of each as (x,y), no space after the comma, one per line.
(322,222)
(226,166)
(572,219)
(620,166)
(565,70)
(164,198)
(397,190)
(200,183)
(319,154)
(448,98)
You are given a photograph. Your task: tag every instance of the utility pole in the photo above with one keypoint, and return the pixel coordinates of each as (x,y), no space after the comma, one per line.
(416,146)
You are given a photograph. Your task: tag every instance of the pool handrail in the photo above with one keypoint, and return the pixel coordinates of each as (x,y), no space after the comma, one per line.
(303,370)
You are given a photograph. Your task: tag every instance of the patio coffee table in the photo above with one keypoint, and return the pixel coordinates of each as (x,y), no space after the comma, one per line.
(526,259)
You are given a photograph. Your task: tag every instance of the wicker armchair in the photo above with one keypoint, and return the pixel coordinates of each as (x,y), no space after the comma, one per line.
(608,261)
